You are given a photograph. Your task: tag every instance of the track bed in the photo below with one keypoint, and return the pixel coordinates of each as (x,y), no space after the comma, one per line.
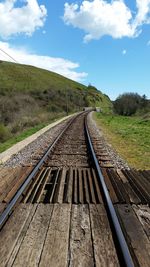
(61,217)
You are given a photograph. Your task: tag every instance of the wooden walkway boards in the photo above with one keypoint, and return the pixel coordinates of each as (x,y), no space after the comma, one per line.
(75,185)
(68,235)
(135,221)
(73,230)
(128,186)
(57,235)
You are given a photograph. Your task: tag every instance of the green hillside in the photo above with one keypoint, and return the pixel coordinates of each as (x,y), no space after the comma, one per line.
(30,96)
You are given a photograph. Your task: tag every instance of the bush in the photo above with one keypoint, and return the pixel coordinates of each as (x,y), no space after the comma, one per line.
(24,123)
(4,133)
(127,104)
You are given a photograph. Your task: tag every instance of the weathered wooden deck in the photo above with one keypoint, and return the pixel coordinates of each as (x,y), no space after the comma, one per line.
(71,235)
(57,235)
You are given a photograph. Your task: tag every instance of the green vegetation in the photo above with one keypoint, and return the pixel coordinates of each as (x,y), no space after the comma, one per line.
(130,103)
(30,96)
(13,140)
(4,132)
(129,136)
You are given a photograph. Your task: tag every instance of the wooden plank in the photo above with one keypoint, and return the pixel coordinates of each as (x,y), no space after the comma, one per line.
(107,164)
(135,185)
(15,188)
(89,177)
(40,196)
(110,187)
(103,158)
(12,184)
(3,171)
(135,235)
(80,248)
(145,183)
(7,175)
(21,236)
(118,187)
(13,229)
(86,189)
(100,154)
(55,185)
(31,248)
(76,153)
(97,187)
(144,187)
(10,177)
(68,197)
(2,207)
(75,192)
(55,250)
(146,174)
(58,185)
(30,188)
(122,186)
(131,193)
(104,249)
(143,214)
(81,198)
(61,186)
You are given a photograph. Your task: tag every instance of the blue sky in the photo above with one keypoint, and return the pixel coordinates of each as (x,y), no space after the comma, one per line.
(105,43)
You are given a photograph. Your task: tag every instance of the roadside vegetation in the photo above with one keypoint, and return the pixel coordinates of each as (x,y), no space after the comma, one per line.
(129,135)
(26,133)
(30,97)
(131,103)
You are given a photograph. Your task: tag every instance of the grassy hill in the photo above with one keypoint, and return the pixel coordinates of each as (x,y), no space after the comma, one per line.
(30,96)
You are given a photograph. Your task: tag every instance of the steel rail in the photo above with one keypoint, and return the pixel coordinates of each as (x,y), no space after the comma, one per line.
(127,259)
(10,207)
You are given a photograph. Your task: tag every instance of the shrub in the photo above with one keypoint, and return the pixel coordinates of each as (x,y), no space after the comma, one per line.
(24,123)
(127,104)
(4,133)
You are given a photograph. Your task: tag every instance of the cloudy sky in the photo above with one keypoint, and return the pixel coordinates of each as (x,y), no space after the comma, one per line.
(102,42)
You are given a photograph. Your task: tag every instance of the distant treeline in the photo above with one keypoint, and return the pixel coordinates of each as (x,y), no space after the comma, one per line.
(128,104)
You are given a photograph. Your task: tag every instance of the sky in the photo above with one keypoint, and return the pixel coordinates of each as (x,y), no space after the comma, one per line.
(100,42)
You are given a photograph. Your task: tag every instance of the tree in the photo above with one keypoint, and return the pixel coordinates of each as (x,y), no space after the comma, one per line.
(127,104)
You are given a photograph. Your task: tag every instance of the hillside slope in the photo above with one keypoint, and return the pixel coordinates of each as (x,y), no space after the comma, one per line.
(29,96)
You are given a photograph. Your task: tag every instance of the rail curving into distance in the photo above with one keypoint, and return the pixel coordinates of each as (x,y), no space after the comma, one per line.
(128,262)
(124,254)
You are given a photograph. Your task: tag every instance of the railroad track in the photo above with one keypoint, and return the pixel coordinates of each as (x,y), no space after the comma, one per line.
(71,173)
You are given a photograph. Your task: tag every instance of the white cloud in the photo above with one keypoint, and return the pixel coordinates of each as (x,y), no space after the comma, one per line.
(98,18)
(24,19)
(58,65)
(143,12)
(124,52)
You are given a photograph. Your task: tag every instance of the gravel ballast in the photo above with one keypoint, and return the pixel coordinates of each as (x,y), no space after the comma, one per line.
(117,160)
(32,152)
(29,153)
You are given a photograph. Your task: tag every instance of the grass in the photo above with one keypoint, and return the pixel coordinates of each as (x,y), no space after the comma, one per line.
(24,79)
(13,140)
(130,136)
(19,77)
(29,95)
